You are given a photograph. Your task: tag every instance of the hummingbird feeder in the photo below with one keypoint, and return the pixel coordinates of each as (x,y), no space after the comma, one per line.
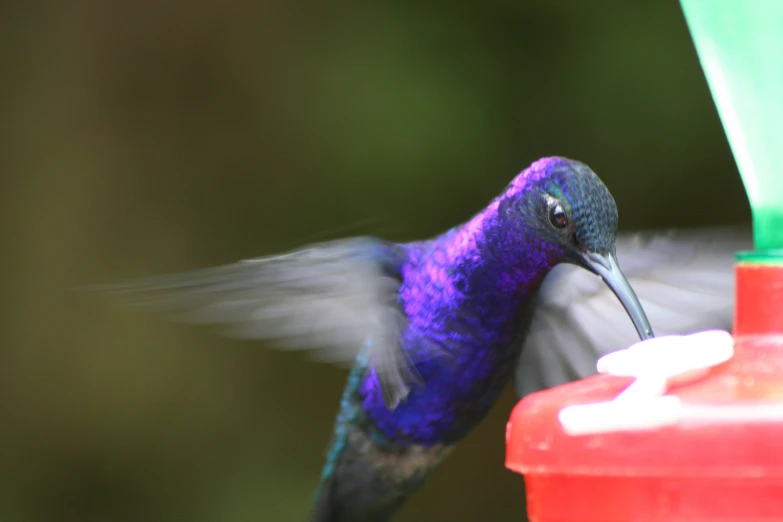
(686,428)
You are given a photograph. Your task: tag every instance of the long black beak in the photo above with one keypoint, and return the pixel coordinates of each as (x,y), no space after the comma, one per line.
(607,268)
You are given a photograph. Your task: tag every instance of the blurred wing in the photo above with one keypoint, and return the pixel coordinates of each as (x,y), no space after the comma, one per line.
(334,298)
(683,278)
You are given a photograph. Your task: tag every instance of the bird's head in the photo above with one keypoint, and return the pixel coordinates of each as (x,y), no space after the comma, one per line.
(573,217)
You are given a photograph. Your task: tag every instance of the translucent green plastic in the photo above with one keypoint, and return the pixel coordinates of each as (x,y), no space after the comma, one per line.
(740,46)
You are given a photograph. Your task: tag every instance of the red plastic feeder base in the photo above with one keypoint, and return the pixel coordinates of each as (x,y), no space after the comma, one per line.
(561,498)
(721,461)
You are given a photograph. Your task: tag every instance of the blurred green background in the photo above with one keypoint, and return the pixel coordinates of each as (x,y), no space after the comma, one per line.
(149,137)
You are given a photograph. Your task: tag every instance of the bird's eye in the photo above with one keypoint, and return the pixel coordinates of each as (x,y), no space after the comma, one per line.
(557,216)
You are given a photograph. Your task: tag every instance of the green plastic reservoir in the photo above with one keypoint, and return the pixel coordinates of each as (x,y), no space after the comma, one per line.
(740,46)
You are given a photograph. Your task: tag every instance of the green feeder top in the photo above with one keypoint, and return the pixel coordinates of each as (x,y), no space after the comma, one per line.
(740,46)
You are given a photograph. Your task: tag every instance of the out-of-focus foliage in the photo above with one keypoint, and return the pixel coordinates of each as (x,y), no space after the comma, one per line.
(149,137)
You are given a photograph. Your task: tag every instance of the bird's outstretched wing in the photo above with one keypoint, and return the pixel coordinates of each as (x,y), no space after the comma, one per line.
(334,298)
(683,278)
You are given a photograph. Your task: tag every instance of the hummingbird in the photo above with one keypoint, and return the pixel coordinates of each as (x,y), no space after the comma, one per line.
(529,289)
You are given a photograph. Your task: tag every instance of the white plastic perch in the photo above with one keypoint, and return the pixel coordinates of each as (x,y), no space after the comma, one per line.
(656,364)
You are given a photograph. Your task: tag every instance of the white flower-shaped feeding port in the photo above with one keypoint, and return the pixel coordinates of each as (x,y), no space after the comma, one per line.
(656,364)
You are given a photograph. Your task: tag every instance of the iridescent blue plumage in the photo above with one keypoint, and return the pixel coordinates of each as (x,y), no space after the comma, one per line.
(433,329)
(467,296)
